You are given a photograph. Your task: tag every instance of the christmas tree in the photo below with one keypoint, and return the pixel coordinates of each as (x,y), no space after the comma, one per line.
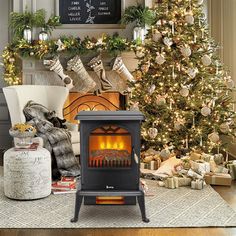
(181,86)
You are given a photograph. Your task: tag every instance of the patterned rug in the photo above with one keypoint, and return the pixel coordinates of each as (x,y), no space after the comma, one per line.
(181,207)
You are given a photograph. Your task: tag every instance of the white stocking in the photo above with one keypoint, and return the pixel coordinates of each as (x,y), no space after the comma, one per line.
(122,70)
(56,66)
(77,66)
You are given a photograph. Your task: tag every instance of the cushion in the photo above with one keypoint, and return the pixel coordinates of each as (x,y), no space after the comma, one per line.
(167,167)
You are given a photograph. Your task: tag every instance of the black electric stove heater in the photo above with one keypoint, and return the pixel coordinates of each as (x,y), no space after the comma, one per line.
(110,157)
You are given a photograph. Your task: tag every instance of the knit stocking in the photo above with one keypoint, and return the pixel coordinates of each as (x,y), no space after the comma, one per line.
(122,70)
(77,66)
(97,65)
(55,65)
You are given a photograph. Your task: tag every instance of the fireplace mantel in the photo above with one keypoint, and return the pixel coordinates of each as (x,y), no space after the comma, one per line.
(34,72)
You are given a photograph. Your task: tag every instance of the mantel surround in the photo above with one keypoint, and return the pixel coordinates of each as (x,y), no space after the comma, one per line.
(34,72)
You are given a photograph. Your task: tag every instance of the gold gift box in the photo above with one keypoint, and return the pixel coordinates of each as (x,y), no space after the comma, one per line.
(218,179)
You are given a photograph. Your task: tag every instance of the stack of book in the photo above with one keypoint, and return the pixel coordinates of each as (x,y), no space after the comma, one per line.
(32,147)
(65,185)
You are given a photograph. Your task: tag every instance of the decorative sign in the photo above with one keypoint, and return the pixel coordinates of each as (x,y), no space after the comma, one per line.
(90,11)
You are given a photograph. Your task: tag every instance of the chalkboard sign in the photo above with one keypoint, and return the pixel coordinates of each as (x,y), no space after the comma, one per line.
(90,11)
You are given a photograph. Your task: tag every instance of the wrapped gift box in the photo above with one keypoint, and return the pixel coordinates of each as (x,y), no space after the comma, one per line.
(201,167)
(197,184)
(218,179)
(232,169)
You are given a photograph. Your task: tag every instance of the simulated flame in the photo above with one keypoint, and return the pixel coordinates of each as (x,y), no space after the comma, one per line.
(110,150)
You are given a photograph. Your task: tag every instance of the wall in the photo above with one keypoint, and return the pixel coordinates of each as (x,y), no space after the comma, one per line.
(49,6)
(222,20)
(5,140)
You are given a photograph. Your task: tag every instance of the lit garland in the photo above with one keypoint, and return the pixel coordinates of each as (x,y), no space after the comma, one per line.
(65,45)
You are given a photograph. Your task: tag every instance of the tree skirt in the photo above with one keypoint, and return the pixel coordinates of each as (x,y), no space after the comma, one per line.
(181,207)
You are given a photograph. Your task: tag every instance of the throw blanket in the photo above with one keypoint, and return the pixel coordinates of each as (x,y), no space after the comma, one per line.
(56,140)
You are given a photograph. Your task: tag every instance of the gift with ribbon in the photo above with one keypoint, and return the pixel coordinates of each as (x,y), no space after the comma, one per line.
(197,184)
(218,179)
(231,166)
(200,166)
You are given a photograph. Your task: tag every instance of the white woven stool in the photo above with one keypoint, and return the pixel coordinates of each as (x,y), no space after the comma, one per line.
(27,174)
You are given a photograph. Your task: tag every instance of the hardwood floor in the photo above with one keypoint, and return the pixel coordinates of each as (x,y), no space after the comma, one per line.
(228,193)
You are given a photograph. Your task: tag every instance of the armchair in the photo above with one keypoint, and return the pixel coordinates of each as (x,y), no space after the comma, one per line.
(52,97)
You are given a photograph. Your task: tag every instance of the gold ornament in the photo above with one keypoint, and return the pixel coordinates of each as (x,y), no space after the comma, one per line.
(184,92)
(147,99)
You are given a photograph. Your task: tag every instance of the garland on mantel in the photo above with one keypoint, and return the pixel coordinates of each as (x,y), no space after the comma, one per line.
(70,46)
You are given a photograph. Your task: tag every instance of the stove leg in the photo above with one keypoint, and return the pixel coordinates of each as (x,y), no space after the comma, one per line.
(141,203)
(78,202)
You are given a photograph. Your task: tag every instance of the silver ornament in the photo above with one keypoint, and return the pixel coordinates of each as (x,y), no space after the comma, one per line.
(140,52)
(60,45)
(184,92)
(152,132)
(206,111)
(206,60)
(165,154)
(186,51)
(160,59)
(156,36)
(43,35)
(192,72)
(189,19)
(229,82)
(152,89)
(167,41)
(224,128)
(214,137)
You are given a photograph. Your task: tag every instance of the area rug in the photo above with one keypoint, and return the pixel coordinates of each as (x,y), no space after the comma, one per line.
(181,207)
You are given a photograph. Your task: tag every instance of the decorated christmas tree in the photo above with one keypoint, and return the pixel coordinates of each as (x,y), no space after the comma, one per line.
(181,85)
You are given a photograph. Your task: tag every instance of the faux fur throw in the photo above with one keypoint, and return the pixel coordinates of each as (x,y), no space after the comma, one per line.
(56,140)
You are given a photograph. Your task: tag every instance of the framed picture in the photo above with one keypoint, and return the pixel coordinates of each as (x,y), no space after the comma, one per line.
(90,13)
